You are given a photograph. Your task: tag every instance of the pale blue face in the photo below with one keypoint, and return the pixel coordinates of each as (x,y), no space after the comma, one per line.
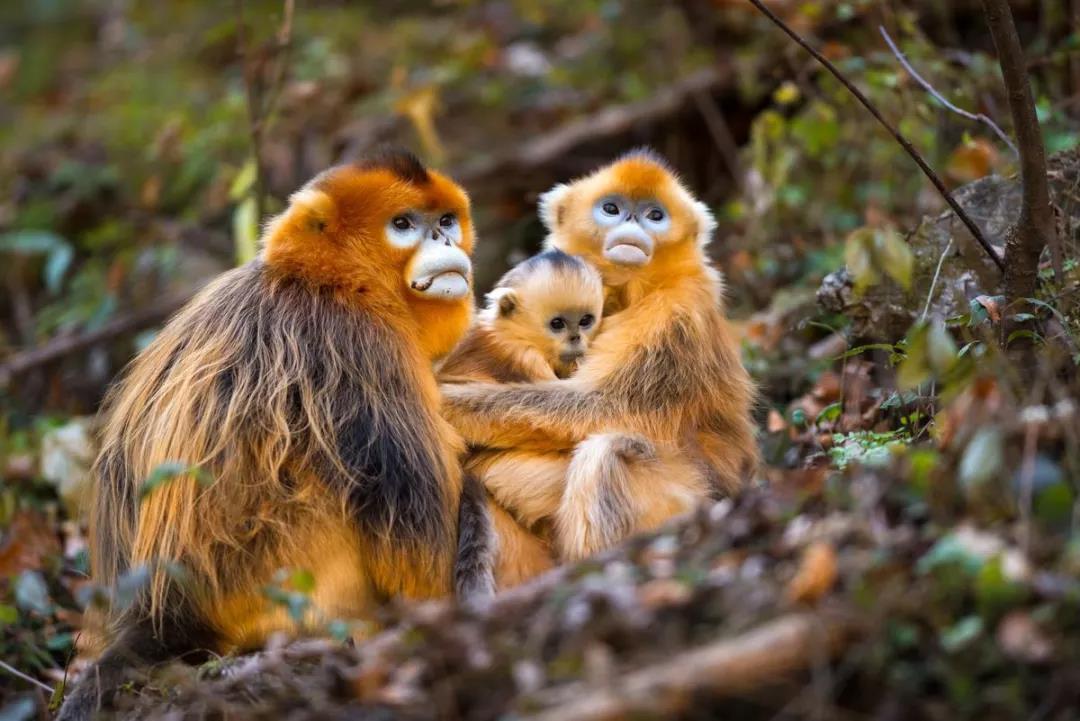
(634,228)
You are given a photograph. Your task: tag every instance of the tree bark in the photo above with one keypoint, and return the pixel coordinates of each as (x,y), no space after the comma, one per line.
(1035,228)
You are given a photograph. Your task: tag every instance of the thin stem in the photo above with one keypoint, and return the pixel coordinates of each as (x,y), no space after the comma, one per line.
(980,117)
(976,232)
(29,679)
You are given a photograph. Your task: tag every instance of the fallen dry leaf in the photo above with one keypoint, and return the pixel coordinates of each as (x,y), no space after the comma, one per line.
(817,574)
(28,542)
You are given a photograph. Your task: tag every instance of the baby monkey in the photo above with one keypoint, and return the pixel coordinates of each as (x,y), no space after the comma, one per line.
(537,324)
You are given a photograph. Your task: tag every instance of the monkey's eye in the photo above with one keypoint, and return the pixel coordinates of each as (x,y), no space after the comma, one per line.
(402,222)
(610,208)
(557,324)
(447,221)
(655,215)
(586,321)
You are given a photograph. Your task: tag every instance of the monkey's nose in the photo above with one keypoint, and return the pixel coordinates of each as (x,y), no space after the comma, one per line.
(434,235)
(575,338)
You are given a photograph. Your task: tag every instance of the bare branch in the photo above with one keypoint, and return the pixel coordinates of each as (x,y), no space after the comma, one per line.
(980,117)
(262,97)
(927,170)
(29,679)
(724,667)
(57,348)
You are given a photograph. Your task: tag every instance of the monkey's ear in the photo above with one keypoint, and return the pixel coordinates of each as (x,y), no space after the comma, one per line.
(553,204)
(312,210)
(503,300)
(704,220)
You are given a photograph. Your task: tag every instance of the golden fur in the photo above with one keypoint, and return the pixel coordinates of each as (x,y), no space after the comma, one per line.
(300,384)
(657,417)
(511,342)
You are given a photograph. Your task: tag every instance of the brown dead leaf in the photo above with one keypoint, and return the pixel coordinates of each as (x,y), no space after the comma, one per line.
(992,306)
(817,574)
(663,592)
(28,542)
(775,421)
(972,160)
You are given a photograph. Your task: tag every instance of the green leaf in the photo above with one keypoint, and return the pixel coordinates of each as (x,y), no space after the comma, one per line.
(940,349)
(168,472)
(60,642)
(829,413)
(994,591)
(31,593)
(303,581)
(949,551)
(244,181)
(894,256)
(982,458)
(31,242)
(8,615)
(863,348)
(961,635)
(56,266)
(245,226)
(859,259)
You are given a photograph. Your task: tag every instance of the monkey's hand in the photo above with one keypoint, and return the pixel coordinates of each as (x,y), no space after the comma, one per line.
(515,415)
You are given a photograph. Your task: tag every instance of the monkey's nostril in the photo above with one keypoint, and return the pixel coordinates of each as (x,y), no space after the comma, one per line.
(434,235)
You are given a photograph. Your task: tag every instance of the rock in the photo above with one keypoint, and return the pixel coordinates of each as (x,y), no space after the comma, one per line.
(67,453)
(885,311)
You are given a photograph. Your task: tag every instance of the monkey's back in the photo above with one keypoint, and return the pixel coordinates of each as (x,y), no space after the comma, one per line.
(274,391)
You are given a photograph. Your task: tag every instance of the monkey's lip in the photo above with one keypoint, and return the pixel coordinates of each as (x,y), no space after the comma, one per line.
(571,356)
(447,285)
(628,247)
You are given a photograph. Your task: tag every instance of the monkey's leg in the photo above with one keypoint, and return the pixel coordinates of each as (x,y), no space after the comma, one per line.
(181,634)
(618,484)
(528,484)
(520,554)
(474,567)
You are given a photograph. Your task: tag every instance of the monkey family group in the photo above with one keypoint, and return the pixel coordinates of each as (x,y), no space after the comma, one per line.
(359,420)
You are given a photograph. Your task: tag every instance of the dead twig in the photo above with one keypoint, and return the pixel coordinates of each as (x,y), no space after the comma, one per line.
(722,668)
(59,347)
(29,679)
(979,117)
(262,96)
(609,122)
(904,142)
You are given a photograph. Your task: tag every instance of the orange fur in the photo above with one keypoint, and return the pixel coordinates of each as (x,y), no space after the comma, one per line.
(511,342)
(665,367)
(301,384)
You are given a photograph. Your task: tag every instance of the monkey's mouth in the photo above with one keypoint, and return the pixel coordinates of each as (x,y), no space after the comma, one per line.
(450,284)
(628,245)
(442,274)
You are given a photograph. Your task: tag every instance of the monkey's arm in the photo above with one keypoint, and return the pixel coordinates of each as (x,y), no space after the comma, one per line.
(547,415)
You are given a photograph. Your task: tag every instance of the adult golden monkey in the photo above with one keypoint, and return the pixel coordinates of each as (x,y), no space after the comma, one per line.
(657,417)
(301,384)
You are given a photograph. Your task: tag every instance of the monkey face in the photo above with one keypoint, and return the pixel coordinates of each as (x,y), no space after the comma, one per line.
(388,222)
(626,216)
(552,303)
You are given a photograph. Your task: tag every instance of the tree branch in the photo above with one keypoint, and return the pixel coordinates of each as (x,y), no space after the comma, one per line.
(927,170)
(979,117)
(725,667)
(57,348)
(1036,227)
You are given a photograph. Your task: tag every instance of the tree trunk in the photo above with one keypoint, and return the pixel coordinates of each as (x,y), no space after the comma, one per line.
(1035,228)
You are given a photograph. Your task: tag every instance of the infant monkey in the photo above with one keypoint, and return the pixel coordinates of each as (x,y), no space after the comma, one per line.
(537,324)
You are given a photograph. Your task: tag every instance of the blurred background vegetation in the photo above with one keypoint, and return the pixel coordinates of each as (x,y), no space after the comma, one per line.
(128,177)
